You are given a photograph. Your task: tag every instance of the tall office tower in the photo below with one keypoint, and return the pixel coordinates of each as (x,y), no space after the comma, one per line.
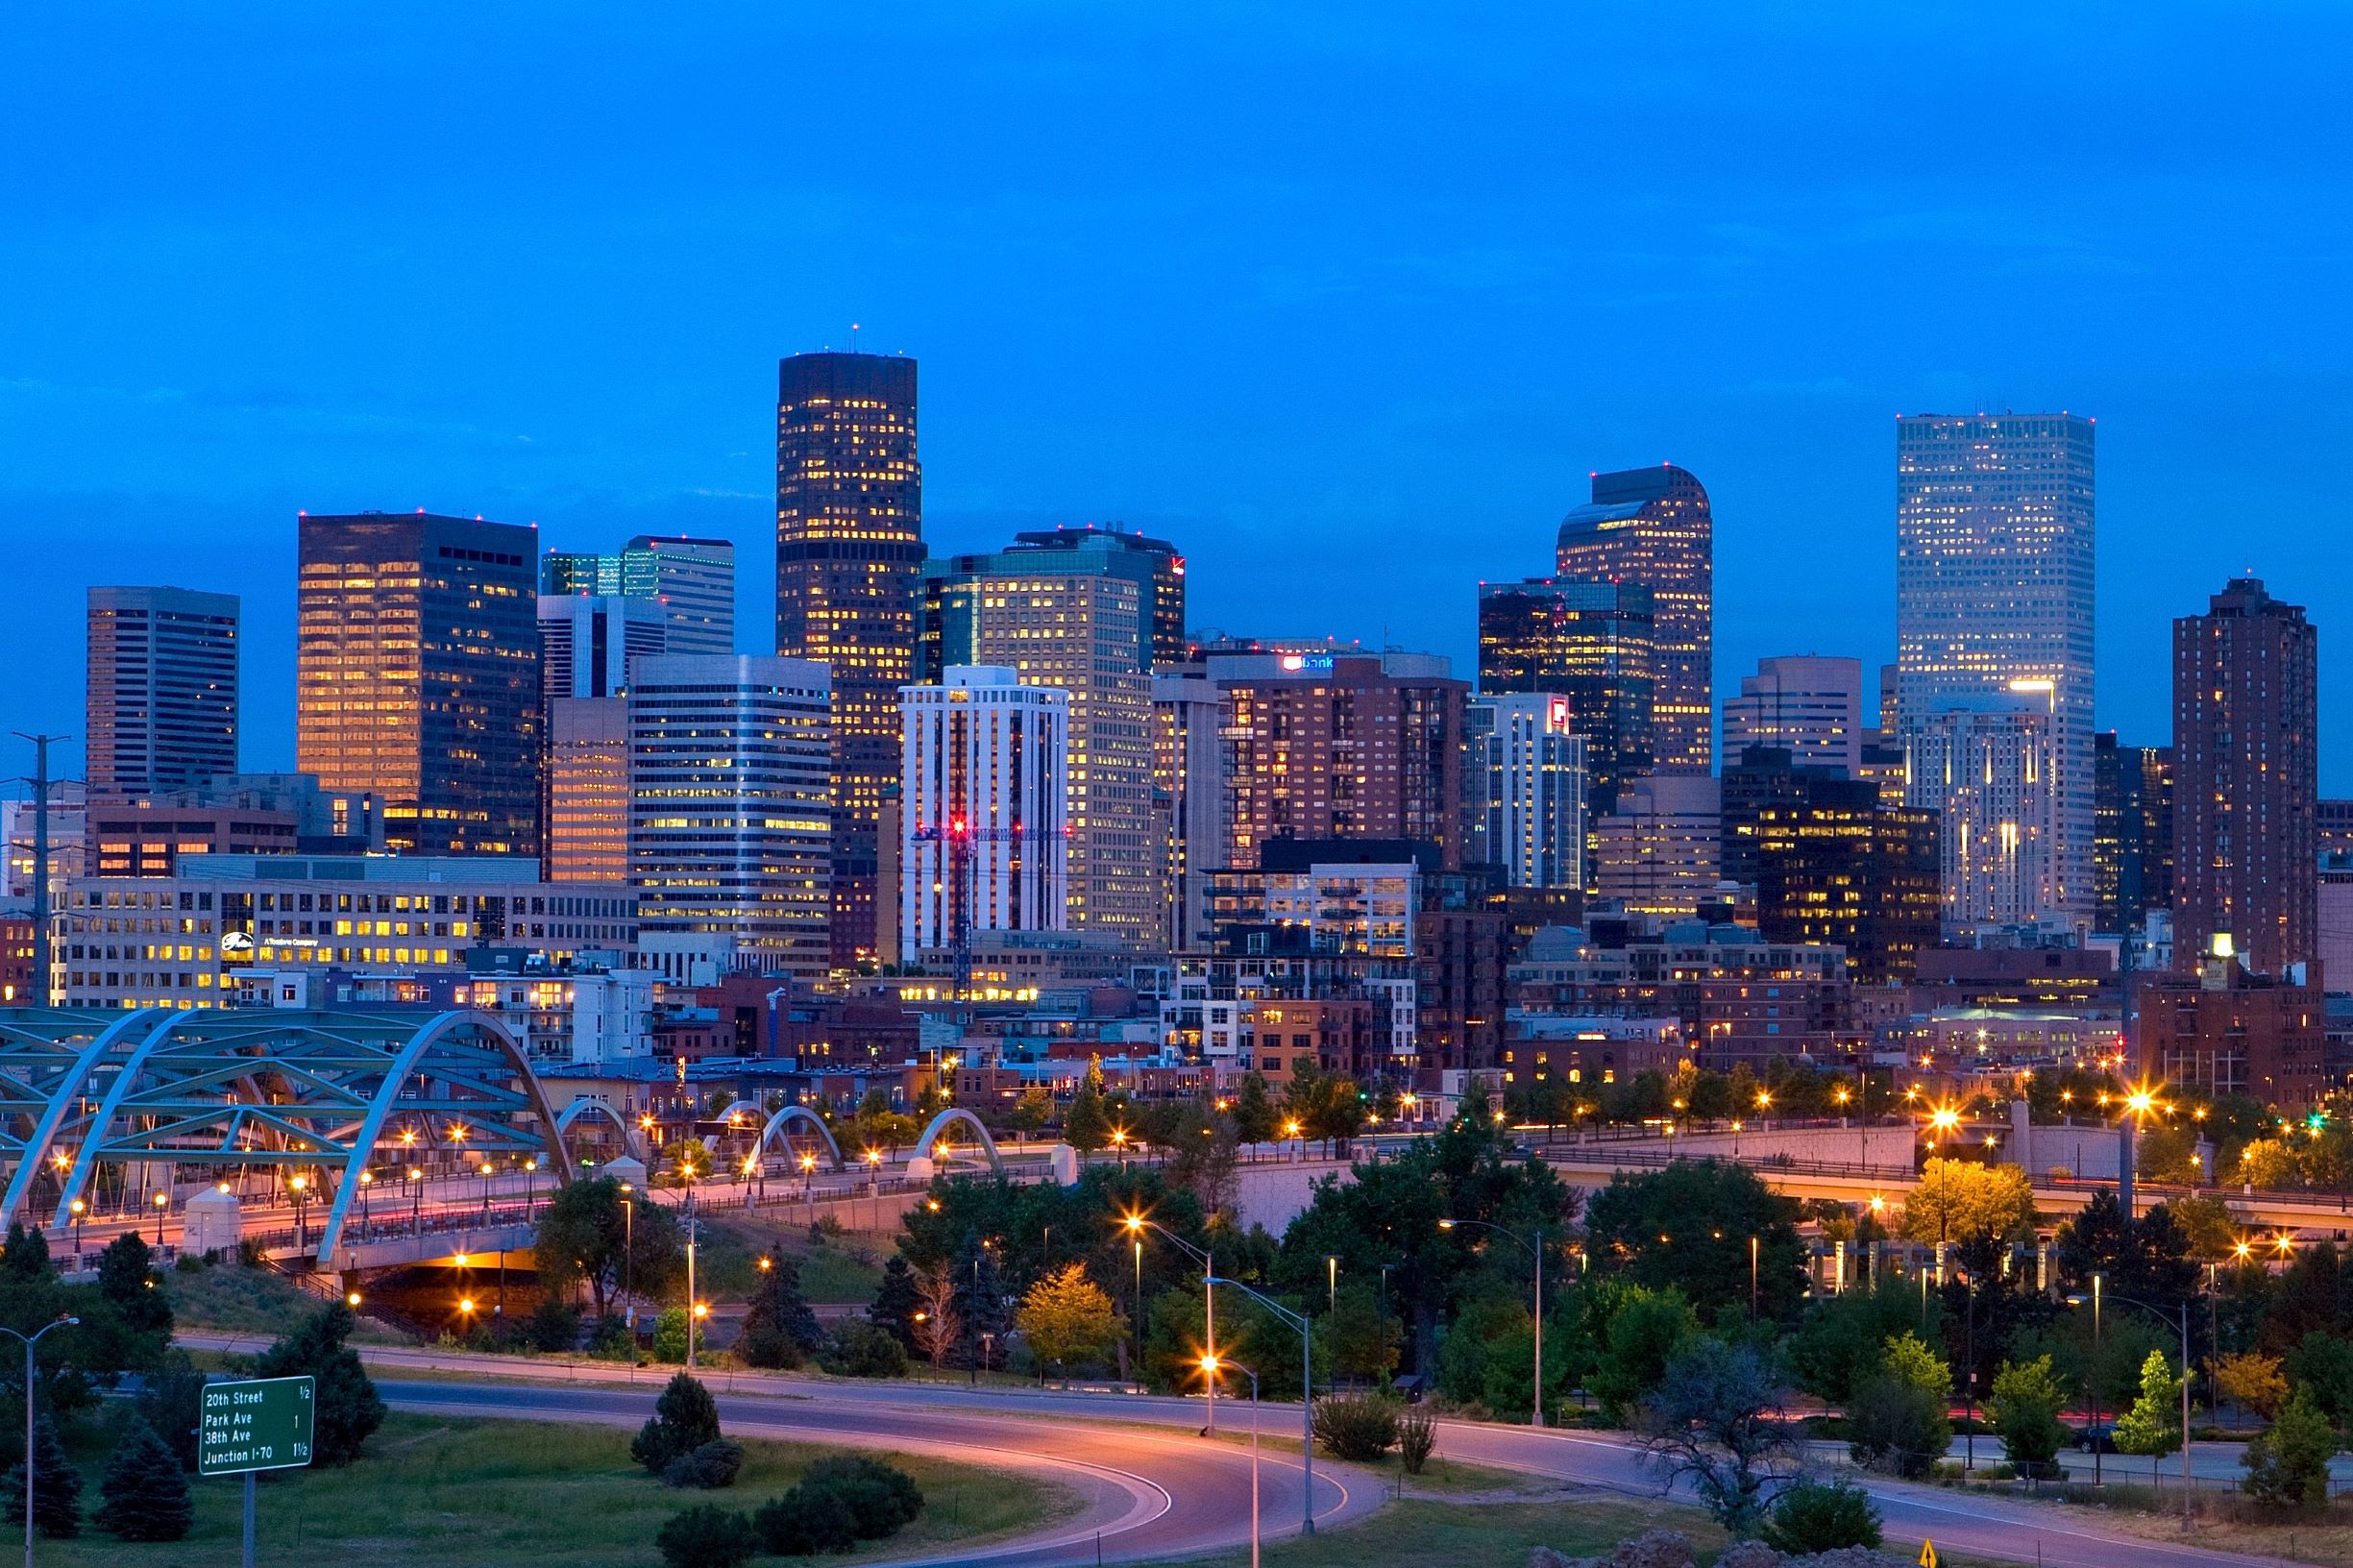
(984,793)
(1083,634)
(2132,831)
(1835,866)
(730,825)
(1989,769)
(1340,745)
(1660,850)
(1810,707)
(588,790)
(586,641)
(1189,797)
(1653,526)
(2247,760)
(1757,780)
(1993,524)
(693,579)
(162,690)
(1153,565)
(417,676)
(1592,643)
(1530,773)
(850,540)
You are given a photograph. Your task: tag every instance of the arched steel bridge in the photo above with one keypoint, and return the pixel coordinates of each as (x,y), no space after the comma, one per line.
(100,1104)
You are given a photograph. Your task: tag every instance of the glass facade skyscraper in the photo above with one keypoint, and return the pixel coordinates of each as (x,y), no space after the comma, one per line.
(162,690)
(1592,643)
(850,542)
(693,579)
(1654,527)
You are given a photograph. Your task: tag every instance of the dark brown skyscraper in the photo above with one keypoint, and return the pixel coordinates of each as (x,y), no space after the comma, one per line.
(850,542)
(1654,527)
(2246,772)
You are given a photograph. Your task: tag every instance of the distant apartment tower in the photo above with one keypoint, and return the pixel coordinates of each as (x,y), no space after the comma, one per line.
(692,580)
(2335,828)
(1082,549)
(162,690)
(1989,769)
(586,641)
(2245,755)
(1654,527)
(1188,795)
(1660,850)
(1341,745)
(850,543)
(982,820)
(1993,525)
(1085,633)
(1593,644)
(2132,831)
(1527,773)
(1810,707)
(730,832)
(588,790)
(417,676)
(1835,866)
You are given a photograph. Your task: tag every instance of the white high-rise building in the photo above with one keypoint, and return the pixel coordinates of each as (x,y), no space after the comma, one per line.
(1990,767)
(1807,707)
(984,807)
(692,580)
(1189,789)
(730,803)
(1993,524)
(1527,773)
(586,641)
(1661,851)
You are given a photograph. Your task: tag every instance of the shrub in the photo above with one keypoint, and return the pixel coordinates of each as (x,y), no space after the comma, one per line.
(804,1522)
(2288,1465)
(2024,1406)
(172,1405)
(707,1536)
(1417,1436)
(858,1349)
(145,1493)
(684,1419)
(840,1502)
(669,1334)
(1355,1426)
(1822,1516)
(554,1325)
(708,1467)
(1897,1426)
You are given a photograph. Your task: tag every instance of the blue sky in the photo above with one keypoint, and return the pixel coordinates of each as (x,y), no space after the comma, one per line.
(1345,300)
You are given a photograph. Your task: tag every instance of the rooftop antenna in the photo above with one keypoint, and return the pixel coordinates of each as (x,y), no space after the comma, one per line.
(853,337)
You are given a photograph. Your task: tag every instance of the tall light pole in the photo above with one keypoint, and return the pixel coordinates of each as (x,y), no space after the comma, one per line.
(1137,1225)
(41,888)
(1210,1365)
(2160,1315)
(628,1265)
(1535,1250)
(1307,1397)
(29,1343)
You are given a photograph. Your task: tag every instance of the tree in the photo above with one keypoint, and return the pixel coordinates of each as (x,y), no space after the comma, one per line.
(2153,1425)
(172,1405)
(2288,1465)
(1908,1359)
(896,1301)
(2249,1380)
(684,1419)
(1086,1126)
(1066,1319)
(780,1330)
(862,1350)
(1256,1118)
(1814,1516)
(1842,1339)
(1690,1225)
(1639,1340)
(2024,1407)
(145,1493)
(127,1278)
(1717,1421)
(2147,1259)
(57,1501)
(586,1234)
(346,1408)
(2322,1365)
(980,1297)
(1032,1111)
(1897,1426)
(937,1328)
(2208,1224)
(2268,1162)
(1958,1200)
(707,1535)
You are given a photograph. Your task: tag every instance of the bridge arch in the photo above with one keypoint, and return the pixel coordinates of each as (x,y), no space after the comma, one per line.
(45,1081)
(785,1117)
(632,1142)
(940,1123)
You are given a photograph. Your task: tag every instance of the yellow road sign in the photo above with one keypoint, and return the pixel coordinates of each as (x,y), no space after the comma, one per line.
(1927,1554)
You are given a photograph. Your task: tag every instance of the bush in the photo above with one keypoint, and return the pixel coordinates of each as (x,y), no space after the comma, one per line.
(707,1468)
(173,1404)
(57,1500)
(883,1497)
(1898,1428)
(554,1325)
(1417,1436)
(684,1419)
(858,1349)
(707,1536)
(804,1522)
(669,1334)
(145,1493)
(840,1502)
(2288,1465)
(1355,1426)
(1822,1516)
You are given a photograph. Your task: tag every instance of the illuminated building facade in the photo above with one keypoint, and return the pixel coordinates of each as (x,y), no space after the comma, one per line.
(2246,748)
(692,580)
(586,641)
(1661,852)
(1810,707)
(849,544)
(1989,769)
(1653,526)
(1189,795)
(730,829)
(1526,781)
(1592,643)
(418,677)
(162,690)
(1993,525)
(588,790)
(2132,831)
(983,808)
(1836,866)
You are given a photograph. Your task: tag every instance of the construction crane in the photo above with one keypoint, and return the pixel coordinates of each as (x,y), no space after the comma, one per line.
(959,836)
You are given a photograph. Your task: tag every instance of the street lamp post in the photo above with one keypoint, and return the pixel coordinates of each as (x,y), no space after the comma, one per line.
(163,1202)
(1210,1365)
(1535,1250)
(1307,1396)
(28,1342)
(1135,1225)
(416,1199)
(80,1213)
(2160,1313)
(628,1260)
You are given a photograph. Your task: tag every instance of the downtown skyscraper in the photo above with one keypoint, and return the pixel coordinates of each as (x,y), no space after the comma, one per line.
(692,579)
(850,542)
(1654,527)
(162,690)
(1993,528)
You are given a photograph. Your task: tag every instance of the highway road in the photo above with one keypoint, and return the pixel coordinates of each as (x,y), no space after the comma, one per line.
(1153,1487)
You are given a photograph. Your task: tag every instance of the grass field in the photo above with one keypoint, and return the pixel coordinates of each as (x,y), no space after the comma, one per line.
(439,1491)
(1416,1534)
(237,1300)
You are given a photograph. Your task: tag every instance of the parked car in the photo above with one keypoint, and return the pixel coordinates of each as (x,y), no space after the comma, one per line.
(2098,1437)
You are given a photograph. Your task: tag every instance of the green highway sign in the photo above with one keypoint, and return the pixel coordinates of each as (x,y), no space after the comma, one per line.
(259,1424)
